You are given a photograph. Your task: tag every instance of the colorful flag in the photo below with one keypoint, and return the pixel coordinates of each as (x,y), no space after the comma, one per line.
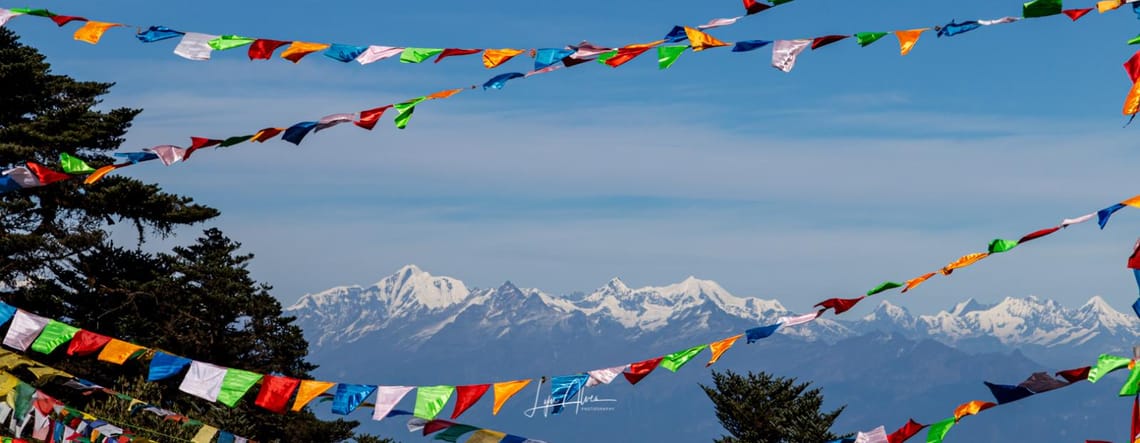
(494,57)
(235,384)
(418,55)
(262,49)
(866,38)
(294,134)
(938,430)
(498,81)
(840,305)
(1008,393)
(749,45)
(344,53)
(73,165)
(905,432)
(163,365)
(638,371)
(504,391)
(453,52)
(907,39)
(118,352)
(954,28)
(963,261)
(719,22)
(998,246)
(224,42)
(1106,364)
(169,154)
(884,286)
(666,55)
(676,360)
(971,408)
(564,388)
(466,397)
(1076,14)
(369,118)
(820,42)
(719,347)
(759,333)
(86,343)
(298,50)
(156,33)
(308,391)
(701,41)
(431,399)
(1037,234)
(387,397)
(1041,8)
(54,334)
(348,397)
(91,32)
(1102,215)
(604,376)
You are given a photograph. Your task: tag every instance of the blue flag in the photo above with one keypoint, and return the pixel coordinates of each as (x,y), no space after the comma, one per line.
(549,56)
(137,157)
(953,28)
(1103,214)
(344,53)
(156,33)
(676,35)
(498,81)
(164,366)
(297,132)
(755,334)
(564,388)
(349,397)
(749,45)
(1007,393)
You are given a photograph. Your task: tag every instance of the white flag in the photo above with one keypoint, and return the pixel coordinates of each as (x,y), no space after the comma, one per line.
(386,399)
(718,22)
(24,330)
(195,46)
(1078,220)
(23,177)
(604,376)
(6,15)
(784,53)
(169,154)
(203,380)
(377,53)
(329,121)
(1000,21)
(797,320)
(877,435)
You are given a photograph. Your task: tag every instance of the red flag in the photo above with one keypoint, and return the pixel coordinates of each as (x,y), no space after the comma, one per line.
(86,343)
(820,42)
(65,19)
(45,175)
(840,305)
(451,52)
(1075,375)
(369,118)
(905,432)
(626,54)
(753,6)
(262,49)
(436,426)
(1132,67)
(1037,234)
(266,134)
(467,396)
(639,370)
(197,143)
(1076,13)
(275,392)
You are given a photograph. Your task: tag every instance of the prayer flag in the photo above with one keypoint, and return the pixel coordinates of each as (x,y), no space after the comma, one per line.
(262,49)
(761,332)
(639,370)
(24,330)
(73,165)
(91,32)
(971,408)
(719,22)
(1108,5)
(627,53)
(787,321)
(840,305)
(494,57)
(7,14)
(156,33)
(118,352)
(938,430)
(504,391)
(203,380)
(549,56)
(1132,384)
(719,347)
(1133,201)
(349,396)
(453,52)
(344,53)
(377,53)
(418,55)
(877,435)
(963,261)
(54,334)
(998,246)
(86,343)
(1008,393)
(1102,215)
(454,432)
(466,397)
(674,361)
(1040,382)
(163,366)
(235,384)
(486,436)
(905,432)
(1075,375)
(907,39)
(297,132)
(749,45)
(1076,14)
(1037,234)
(446,93)
(753,6)
(431,399)
(1041,8)
(1132,101)
(275,392)
(498,81)
(205,434)
(224,42)
(298,50)
(61,20)
(1106,364)
(195,46)
(169,154)
(404,111)
(884,286)
(564,388)
(604,376)
(329,121)
(266,134)
(369,118)
(309,390)
(784,53)
(820,42)
(44,175)
(954,28)
(7,311)
(387,397)
(701,41)
(866,38)
(666,55)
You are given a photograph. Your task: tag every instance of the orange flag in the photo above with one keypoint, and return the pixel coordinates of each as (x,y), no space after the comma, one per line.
(266,134)
(118,351)
(300,49)
(99,173)
(1132,102)
(309,390)
(445,94)
(914,282)
(719,347)
(91,32)
(971,408)
(1108,5)
(907,39)
(506,390)
(701,41)
(629,52)
(963,261)
(496,57)
(1133,202)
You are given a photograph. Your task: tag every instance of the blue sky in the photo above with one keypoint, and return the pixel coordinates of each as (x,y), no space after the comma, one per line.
(858,166)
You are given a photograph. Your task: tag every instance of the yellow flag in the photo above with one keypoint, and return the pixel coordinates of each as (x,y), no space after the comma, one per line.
(1108,5)
(486,436)
(971,408)
(1132,102)
(914,282)
(496,57)
(93,31)
(907,39)
(309,390)
(963,261)
(44,371)
(7,383)
(701,41)
(118,351)
(205,434)
(719,347)
(1133,202)
(506,390)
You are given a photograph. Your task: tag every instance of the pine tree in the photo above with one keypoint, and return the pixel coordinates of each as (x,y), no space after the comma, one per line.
(760,408)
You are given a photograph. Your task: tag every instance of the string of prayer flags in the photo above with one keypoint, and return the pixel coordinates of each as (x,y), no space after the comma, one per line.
(349,397)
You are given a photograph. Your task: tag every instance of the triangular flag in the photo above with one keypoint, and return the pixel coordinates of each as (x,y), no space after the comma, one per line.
(298,50)
(376,53)
(1008,393)
(91,32)
(1076,14)
(820,42)
(387,397)
(905,432)
(431,399)
(504,391)
(674,361)
(866,38)
(963,261)
(225,42)
(701,41)
(498,81)
(604,376)
(452,52)
(938,430)
(1037,234)
(235,384)
(308,391)
(495,57)
(344,53)
(294,134)
(157,33)
(349,397)
(638,371)
(73,165)
(998,246)
(370,117)
(61,20)
(25,327)
(169,154)
(840,305)
(760,333)
(907,39)
(719,347)
(749,45)
(1107,5)
(1101,215)
(884,286)
(564,388)
(666,55)
(266,134)
(1041,8)
(446,93)
(418,55)
(719,22)
(46,176)
(627,53)
(549,56)
(753,6)
(86,343)
(467,396)
(971,408)
(1131,385)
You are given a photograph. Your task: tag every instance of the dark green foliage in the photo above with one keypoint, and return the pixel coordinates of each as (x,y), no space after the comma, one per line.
(760,408)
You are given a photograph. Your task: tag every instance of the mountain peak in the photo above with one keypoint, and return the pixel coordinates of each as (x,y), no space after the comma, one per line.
(616,285)
(969,305)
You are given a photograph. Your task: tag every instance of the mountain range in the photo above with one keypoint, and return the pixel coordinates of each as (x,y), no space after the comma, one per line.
(442,330)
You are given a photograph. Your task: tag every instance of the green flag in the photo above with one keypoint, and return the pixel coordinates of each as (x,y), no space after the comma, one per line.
(234,140)
(999,245)
(938,430)
(674,361)
(1134,40)
(405,111)
(225,42)
(453,433)
(418,55)
(24,393)
(53,335)
(1132,385)
(35,12)
(666,55)
(431,399)
(1041,8)
(1106,364)
(866,38)
(235,385)
(73,165)
(606,56)
(883,287)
